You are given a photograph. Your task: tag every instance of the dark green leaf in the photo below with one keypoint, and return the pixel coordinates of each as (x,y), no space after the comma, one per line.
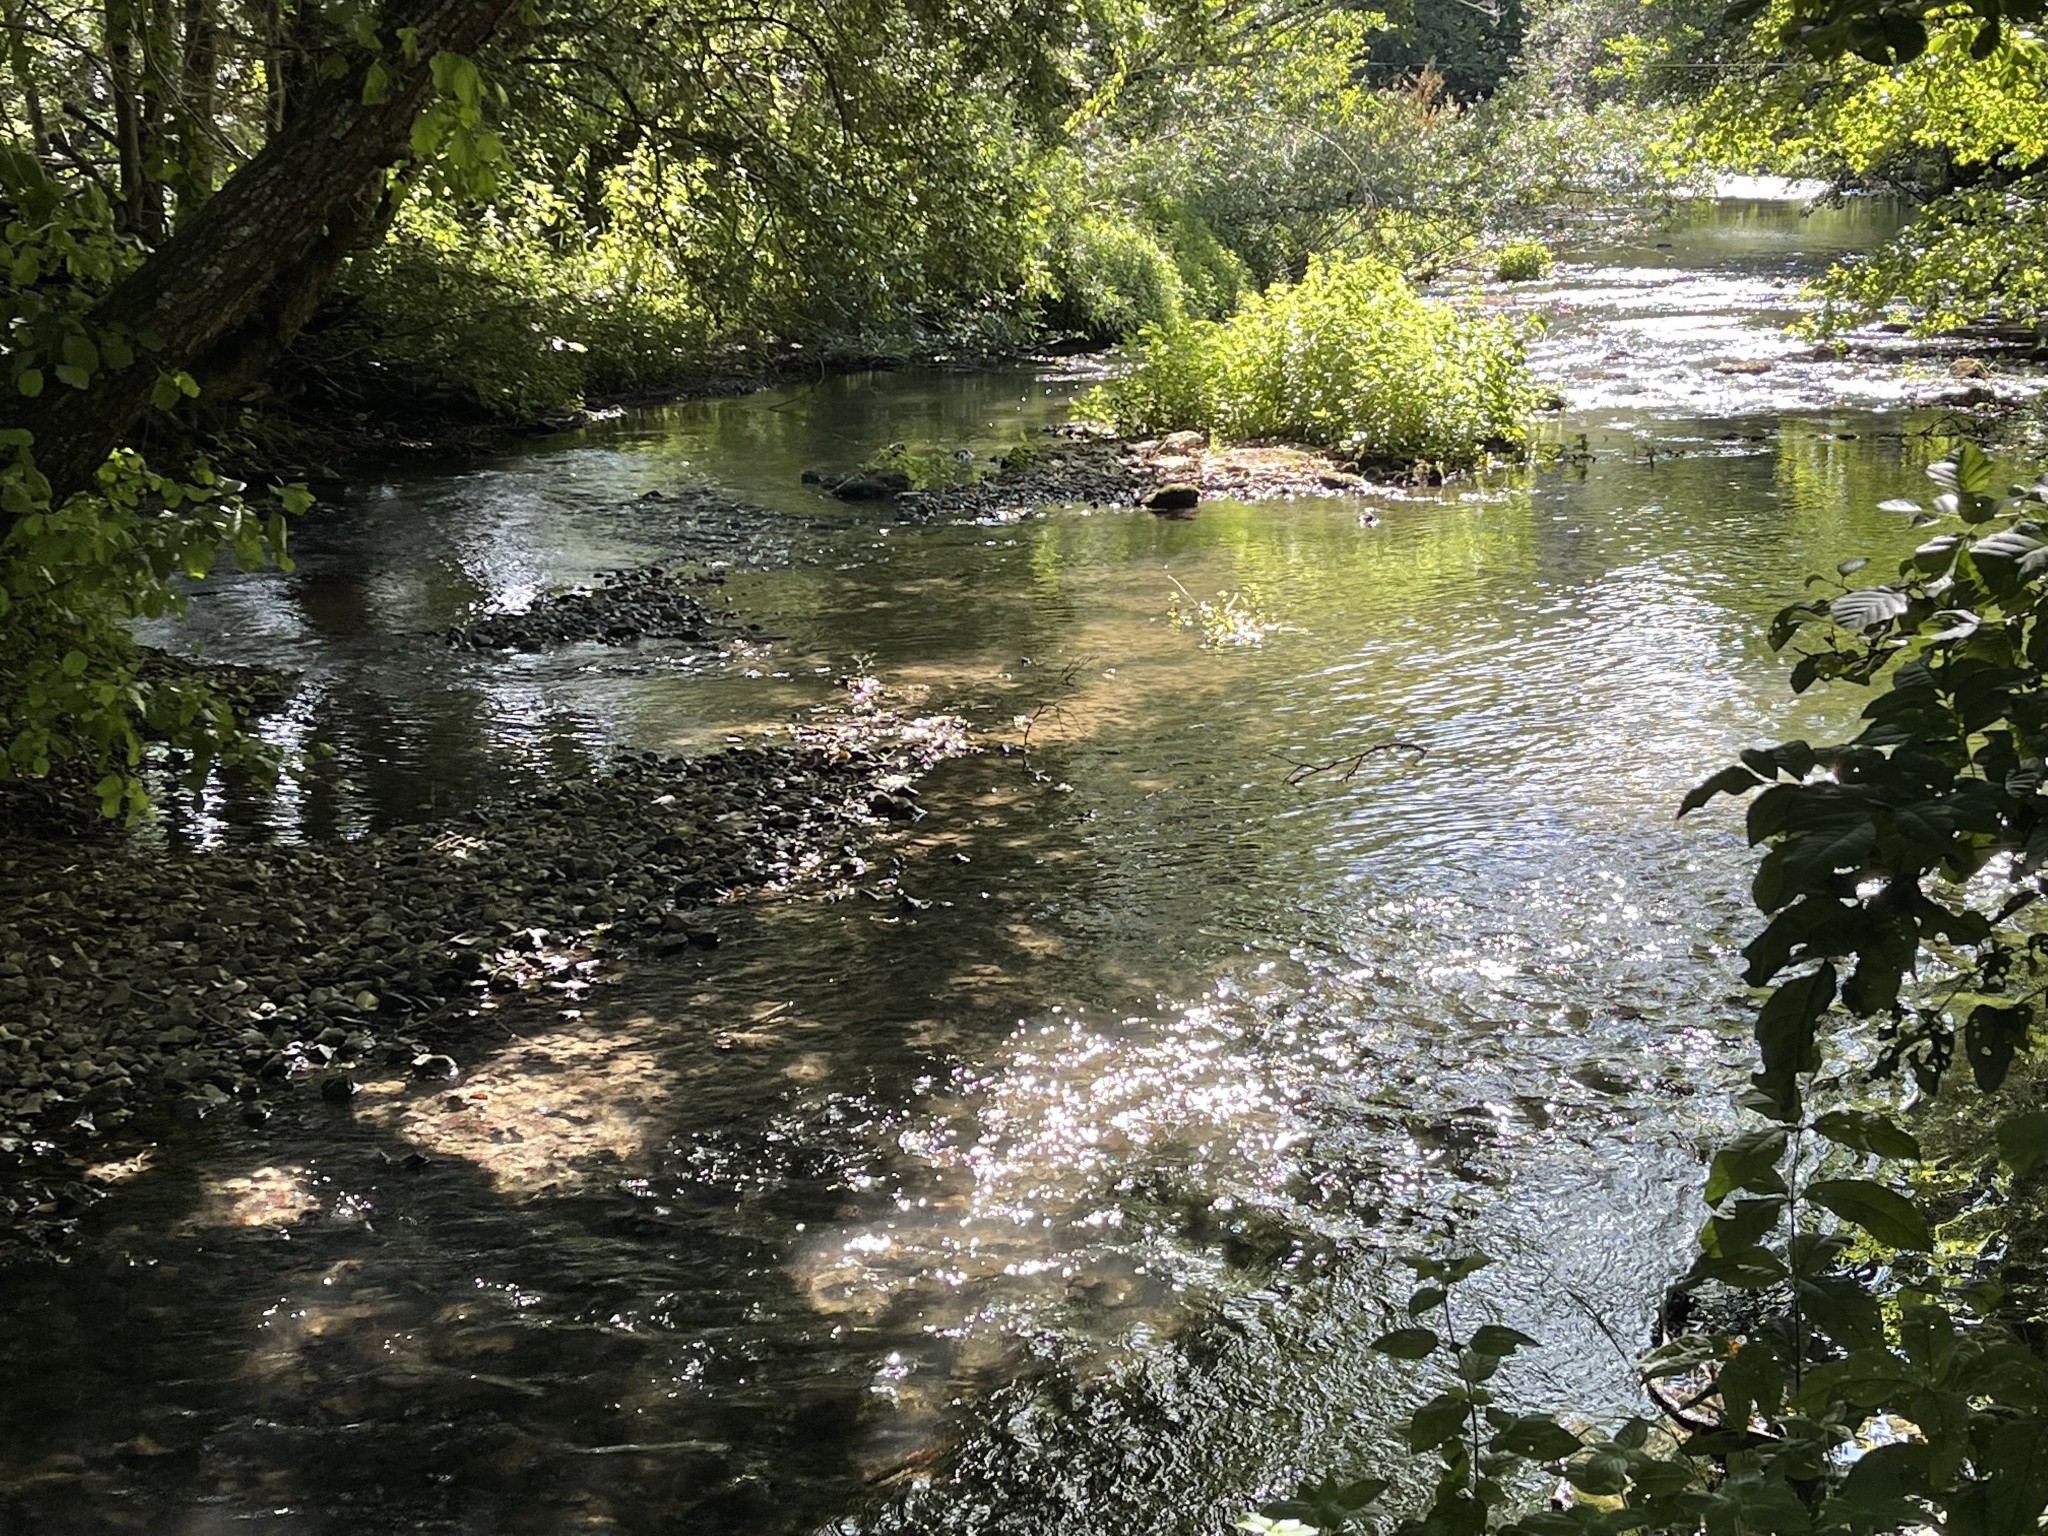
(1885,1214)
(1538,1438)
(1863,1132)
(1994,1032)
(1407,1343)
(1734,780)
(1868,607)
(1748,1162)
(1492,1339)
(2023,1140)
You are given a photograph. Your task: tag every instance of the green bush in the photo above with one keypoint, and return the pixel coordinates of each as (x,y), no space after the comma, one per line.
(1213,277)
(1350,358)
(1522,261)
(1111,278)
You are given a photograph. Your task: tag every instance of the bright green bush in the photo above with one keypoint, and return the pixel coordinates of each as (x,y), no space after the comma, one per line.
(1111,278)
(1522,261)
(1350,358)
(1213,277)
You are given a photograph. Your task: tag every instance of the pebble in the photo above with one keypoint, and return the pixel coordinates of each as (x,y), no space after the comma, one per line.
(384,949)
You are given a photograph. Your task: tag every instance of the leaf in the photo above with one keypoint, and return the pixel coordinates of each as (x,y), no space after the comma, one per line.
(1407,1343)
(1863,1132)
(1605,1471)
(80,353)
(1495,1340)
(1426,1299)
(1748,1162)
(1739,1229)
(1785,1032)
(1441,1418)
(1733,780)
(29,381)
(1885,1214)
(73,664)
(1538,1438)
(1968,469)
(1868,607)
(2023,1140)
(1994,1032)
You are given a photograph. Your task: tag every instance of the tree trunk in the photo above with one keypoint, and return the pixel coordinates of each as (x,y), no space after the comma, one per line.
(197,104)
(244,272)
(123,86)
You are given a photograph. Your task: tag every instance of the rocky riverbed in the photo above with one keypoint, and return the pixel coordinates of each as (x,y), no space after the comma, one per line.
(213,983)
(651,602)
(1078,464)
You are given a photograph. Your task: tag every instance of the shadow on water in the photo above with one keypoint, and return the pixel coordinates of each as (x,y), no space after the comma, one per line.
(1053,1187)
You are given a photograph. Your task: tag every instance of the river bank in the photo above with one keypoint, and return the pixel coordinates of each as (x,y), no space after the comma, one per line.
(133,984)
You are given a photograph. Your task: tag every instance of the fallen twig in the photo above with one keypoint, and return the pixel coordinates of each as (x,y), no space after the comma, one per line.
(1301,773)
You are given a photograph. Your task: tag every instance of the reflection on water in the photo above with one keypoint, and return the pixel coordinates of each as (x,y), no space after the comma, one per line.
(1062,1195)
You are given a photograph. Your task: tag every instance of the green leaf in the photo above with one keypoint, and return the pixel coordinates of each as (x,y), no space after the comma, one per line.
(1748,1162)
(1427,1298)
(1885,1214)
(1407,1343)
(1603,1472)
(1538,1438)
(73,664)
(1735,780)
(2023,1140)
(1441,1418)
(1994,1032)
(1863,1132)
(30,382)
(81,354)
(1493,1339)
(1868,608)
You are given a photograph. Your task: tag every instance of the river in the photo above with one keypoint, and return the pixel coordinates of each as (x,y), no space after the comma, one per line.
(1064,1197)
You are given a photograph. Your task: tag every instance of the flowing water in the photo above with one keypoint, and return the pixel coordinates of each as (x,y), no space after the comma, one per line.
(1065,1198)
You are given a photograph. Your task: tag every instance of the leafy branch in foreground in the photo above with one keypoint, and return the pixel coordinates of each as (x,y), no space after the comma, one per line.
(1856,1366)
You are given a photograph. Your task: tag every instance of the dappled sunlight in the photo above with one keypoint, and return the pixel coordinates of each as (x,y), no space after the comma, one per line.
(553,1110)
(263,1197)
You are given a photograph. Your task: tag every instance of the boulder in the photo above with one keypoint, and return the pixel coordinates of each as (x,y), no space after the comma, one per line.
(1174,500)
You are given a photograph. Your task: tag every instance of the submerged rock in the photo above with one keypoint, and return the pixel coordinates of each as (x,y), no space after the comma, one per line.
(1175,499)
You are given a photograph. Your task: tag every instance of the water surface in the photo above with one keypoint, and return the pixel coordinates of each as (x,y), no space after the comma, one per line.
(1064,1197)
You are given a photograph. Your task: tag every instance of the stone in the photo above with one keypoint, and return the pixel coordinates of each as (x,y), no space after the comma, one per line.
(1174,499)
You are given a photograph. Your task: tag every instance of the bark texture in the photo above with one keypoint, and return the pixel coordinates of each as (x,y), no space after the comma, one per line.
(240,277)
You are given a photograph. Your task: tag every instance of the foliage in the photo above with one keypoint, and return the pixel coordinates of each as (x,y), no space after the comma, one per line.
(1521,261)
(1960,131)
(1111,278)
(75,573)
(1350,358)
(1870,1374)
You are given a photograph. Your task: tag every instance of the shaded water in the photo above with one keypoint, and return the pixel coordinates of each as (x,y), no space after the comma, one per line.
(1065,1199)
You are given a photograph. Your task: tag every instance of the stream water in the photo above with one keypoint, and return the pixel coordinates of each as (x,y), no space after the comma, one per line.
(1065,1199)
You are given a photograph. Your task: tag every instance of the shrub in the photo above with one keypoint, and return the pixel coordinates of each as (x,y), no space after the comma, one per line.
(1111,279)
(1350,358)
(1522,261)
